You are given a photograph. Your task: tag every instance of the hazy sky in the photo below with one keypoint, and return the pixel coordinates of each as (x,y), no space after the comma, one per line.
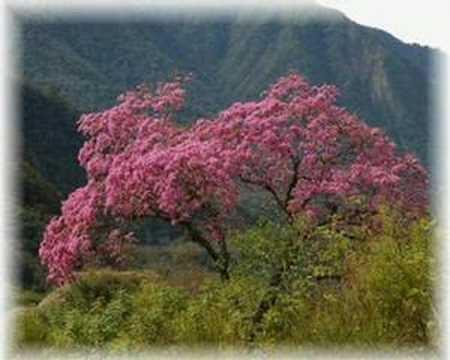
(423,22)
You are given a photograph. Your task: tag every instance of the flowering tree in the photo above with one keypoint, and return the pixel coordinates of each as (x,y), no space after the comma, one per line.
(310,155)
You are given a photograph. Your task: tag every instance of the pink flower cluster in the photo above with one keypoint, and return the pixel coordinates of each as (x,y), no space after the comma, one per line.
(66,239)
(295,143)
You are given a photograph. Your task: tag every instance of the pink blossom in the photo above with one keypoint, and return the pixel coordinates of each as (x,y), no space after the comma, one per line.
(295,142)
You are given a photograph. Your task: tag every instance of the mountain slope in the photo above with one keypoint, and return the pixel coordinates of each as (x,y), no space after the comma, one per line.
(50,141)
(381,79)
(39,201)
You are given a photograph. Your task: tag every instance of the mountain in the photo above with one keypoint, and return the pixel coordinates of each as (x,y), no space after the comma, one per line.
(40,200)
(382,79)
(72,67)
(48,171)
(49,138)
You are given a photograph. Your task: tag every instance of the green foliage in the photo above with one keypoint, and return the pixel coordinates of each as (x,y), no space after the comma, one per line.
(235,59)
(396,276)
(27,297)
(90,326)
(31,329)
(220,314)
(104,284)
(361,289)
(369,290)
(146,327)
(301,252)
(31,274)
(50,144)
(386,296)
(104,309)
(288,321)
(39,200)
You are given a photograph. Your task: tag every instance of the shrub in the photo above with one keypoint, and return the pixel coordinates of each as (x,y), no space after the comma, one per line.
(386,297)
(395,278)
(288,320)
(360,288)
(303,254)
(104,284)
(154,309)
(221,313)
(31,329)
(88,327)
(24,297)
(363,287)
(91,311)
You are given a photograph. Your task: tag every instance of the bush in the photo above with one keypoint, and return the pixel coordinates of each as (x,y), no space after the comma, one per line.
(89,312)
(96,326)
(395,279)
(31,329)
(386,294)
(104,284)
(221,313)
(103,309)
(154,308)
(367,287)
(300,251)
(287,322)
(380,294)
(23,297)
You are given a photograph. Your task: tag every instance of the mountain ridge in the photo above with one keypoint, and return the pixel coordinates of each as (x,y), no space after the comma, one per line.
(383,80)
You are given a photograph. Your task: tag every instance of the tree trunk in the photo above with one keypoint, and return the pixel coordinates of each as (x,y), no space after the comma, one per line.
(221,259)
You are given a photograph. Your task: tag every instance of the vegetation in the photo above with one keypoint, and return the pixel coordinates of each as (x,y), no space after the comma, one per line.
(310,156)
(371,290)
(280,221)
(235,59)
(39,201)
(50,141)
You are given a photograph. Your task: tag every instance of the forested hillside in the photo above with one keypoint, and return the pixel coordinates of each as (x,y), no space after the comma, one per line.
(383,80)
(74,67)
(260,192)
(48,171)
(39,201)
(50,140)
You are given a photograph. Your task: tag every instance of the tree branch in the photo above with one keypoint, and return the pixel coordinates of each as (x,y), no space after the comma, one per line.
(289,193)
(221,260)
(280,203)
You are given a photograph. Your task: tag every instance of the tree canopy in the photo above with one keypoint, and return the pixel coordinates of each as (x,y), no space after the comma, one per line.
(311,156)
